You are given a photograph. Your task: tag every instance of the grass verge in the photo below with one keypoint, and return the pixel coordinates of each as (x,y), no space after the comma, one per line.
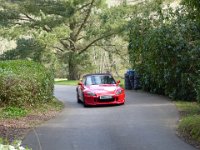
(65,82)
(189,124)
(16,122)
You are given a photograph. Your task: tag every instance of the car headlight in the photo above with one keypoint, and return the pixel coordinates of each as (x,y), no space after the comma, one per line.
(90,93)
(119,91)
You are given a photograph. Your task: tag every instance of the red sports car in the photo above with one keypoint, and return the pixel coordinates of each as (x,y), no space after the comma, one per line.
(99,89)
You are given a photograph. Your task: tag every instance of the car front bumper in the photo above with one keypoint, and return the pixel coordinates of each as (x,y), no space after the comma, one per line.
(95,100)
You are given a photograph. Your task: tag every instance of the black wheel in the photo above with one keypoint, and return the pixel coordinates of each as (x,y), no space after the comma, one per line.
(84,104)
(78,100)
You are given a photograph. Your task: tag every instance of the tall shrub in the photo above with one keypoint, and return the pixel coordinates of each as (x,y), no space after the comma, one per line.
(25,83)
(164,49)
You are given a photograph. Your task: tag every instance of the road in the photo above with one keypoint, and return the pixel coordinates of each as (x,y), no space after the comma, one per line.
(145,122)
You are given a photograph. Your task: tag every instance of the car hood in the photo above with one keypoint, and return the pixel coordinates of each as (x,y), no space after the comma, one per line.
(103,89)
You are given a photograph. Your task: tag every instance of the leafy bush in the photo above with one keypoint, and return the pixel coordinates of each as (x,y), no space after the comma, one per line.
(16,145)
(25,83)
(165,49)
(197,89)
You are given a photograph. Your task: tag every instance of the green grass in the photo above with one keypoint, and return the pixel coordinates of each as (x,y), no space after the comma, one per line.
(52,105)
(188,108)
(189,125)
(13,112)
(17,112)
(66,82)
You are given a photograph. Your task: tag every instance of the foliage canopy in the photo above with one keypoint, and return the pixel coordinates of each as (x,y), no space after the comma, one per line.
(65,27)
(165,49)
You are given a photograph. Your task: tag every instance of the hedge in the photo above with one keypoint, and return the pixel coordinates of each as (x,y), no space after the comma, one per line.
(165,50)
(25,83)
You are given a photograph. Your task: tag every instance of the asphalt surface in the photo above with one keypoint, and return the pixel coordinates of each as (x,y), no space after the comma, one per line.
(145,122)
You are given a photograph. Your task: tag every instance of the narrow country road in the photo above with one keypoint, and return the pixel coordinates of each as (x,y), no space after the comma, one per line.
(145,122)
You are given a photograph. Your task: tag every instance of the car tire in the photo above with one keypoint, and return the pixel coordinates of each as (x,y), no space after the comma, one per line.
(84,104)
(78,100)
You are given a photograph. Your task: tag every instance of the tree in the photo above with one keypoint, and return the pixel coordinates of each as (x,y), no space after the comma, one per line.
(66,26)
(26,48)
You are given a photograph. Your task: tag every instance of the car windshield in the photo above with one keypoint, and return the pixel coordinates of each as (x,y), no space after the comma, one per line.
(99,79)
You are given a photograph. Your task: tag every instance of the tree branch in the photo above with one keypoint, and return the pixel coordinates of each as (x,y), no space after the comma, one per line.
(29,17)
(101,45)
(70,45)
(82,7)
(94,41)
(81,38)
(114,64)
(47,28)
(64,44)
(60,49)
(17,23)
(85,20)
(71,41)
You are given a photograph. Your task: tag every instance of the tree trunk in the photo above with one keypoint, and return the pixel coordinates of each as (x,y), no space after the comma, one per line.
(73,67)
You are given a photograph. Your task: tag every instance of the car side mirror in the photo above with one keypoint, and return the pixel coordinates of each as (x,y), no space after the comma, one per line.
(118,82)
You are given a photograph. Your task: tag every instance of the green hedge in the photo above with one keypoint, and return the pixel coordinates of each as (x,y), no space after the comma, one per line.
(165,50)
(25,83)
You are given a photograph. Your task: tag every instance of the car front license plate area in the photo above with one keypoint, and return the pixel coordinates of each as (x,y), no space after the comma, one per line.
(105,97)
